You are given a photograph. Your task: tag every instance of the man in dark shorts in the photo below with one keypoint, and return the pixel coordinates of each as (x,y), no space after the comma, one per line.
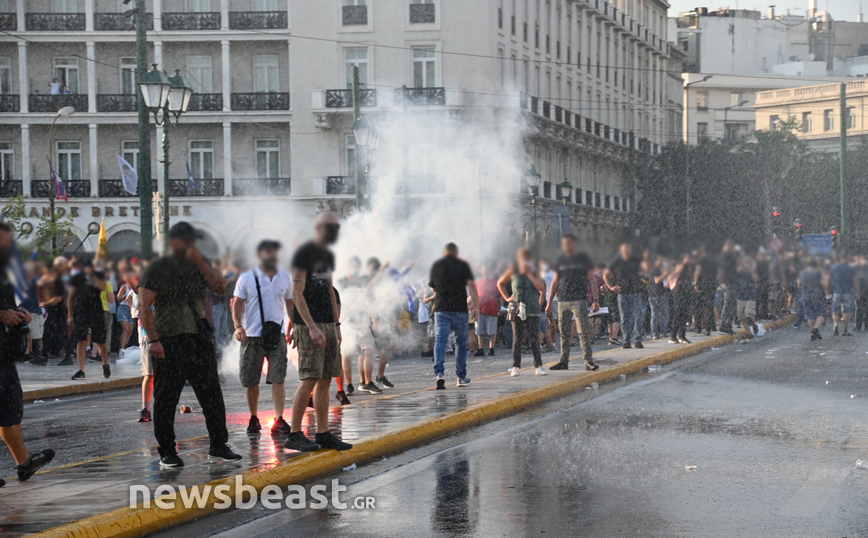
(705,278)
(86,316)
(181,343)
(317,334)
(573,271)
(11,346)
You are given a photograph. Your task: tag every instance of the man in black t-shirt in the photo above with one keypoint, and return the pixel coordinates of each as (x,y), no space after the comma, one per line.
(624,278)
(705,278)
(85,315)
(450,278)
(573,271)
(317,334)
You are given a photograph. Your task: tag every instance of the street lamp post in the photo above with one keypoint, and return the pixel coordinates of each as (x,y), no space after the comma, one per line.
(726,114)
(64,112)
(566,195)
(687,146)
(165,98)
(479,163)
(367,140)
(533,179)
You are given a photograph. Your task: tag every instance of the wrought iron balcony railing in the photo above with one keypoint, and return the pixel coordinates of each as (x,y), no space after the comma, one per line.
(116,102)
(209,20)
(424,184)
(355,15)
(77,188)
(422,13)
(260,101)
(337,185)
(274,186)
(200,102)
(344,98)
(203,187)
(10,103)
(8,22)
(54,22)
(258,20)
(119,22)
(53,103)
(114,188)
(422,96)
(10,188)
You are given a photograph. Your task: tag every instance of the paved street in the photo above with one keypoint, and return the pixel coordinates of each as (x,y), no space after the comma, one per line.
(770,427)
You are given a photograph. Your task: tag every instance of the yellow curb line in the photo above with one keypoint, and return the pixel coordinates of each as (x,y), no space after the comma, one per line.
(139,521)
(82,388)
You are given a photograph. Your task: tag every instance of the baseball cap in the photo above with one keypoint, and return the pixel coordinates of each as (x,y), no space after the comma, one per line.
(267,244)
(184,231)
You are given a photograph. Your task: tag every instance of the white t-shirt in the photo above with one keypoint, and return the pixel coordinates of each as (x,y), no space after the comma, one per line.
(275,292)
(55,88)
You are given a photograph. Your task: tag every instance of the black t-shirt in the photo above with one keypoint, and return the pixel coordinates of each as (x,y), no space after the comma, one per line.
(449,277)
(573,277)
(656,289)
(11,340)
(707,268)
(87,299)
(625,273)
(179,289)
(318,265)
(728,268)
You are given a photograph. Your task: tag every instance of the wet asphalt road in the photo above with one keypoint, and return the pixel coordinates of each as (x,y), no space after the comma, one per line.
(770,427)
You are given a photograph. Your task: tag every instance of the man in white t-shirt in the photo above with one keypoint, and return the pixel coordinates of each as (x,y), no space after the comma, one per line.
(275,291)
(55,86)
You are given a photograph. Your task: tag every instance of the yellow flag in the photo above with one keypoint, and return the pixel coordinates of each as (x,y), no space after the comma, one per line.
(102,246)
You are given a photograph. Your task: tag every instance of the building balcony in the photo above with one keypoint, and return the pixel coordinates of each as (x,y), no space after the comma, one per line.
(354,16)
(116,102)
(11,188)
(421,96)
(10,103)
(422,13)
(278,186)
(203,187)
(114,188)
(76,188)
(205,102)
(53,103)
(8,22)
(344,98)
(209,20)
(54,22)
(260,101)
(119,22)
(258,20)
(340,185)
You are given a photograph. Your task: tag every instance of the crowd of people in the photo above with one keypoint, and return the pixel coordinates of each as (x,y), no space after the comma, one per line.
(181,312)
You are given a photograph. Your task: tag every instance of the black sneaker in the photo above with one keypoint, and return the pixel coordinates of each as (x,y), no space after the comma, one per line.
(441,383)
(2,482)
(170,461)
(67,361)
(639,345)
(144,415)
(835,331)
(627,346)
(684,340)
(95,359)
(386,383)
(350,388)
(34,464)
(370,388)
(707,332)
(342,397)
(223,453)
(560,366)
(297,441)
(280,427)
(253,425)
(106,371)
(491,352)
(39,360)
(615,342)
(328,441)
(78,375)
(479,353)
(591,366)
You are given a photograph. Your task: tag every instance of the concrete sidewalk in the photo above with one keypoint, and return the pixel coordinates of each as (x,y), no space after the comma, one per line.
(59,496)
(52,381)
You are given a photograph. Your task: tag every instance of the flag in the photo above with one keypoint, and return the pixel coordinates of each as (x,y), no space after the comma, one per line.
(190,181)
(58,186)
(25,289)
(102,245)
(129,176)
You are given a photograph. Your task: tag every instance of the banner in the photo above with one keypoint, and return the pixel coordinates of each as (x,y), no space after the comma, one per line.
(129,176)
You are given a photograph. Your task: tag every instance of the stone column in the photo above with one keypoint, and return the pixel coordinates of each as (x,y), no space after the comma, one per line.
(25,159)
(88,15)
(227,159)
(91,77)
(225,66)
(93,150)
(23,89)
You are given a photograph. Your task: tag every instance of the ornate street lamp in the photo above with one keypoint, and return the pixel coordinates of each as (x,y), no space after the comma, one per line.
(566,191)
(533,179)
(367,141)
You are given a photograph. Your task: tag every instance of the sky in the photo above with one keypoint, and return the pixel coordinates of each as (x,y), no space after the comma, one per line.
(840,9)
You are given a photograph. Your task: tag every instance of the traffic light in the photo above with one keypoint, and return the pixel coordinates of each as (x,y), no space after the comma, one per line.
(777,213)
(835,234)
(799,230)
(776,222)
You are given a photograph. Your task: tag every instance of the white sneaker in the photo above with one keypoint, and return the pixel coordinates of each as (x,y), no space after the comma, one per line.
(513,372)
(541,371)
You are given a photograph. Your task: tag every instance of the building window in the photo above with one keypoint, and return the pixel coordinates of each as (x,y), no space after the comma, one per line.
(851,117)
(128,76)
(807,122)
(130,150)
(268,158)
(735,99)
(265,74)
(608,202)
(202,159)
(264,5)
(351,156)
(597,199)
(5,76)
(422,12)
(199,74)
(702,101)
(524,31)
(733,131)
(7,161)
(198,6)
(355,13)
(424,68)
(617,206)
(64,6)
(500,18)
(589,198)
(66,72)
(828,120)
(702,130)
(356,57)
(69,160)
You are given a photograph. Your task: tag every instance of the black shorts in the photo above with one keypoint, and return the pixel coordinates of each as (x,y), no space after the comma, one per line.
(95,324)
(11,397)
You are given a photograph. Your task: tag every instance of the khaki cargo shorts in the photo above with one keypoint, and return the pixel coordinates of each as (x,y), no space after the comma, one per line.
(252,357)
(317,362)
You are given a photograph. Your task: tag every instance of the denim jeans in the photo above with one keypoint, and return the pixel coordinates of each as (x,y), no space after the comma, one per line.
(631,316)
(659,315)
(444,323)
